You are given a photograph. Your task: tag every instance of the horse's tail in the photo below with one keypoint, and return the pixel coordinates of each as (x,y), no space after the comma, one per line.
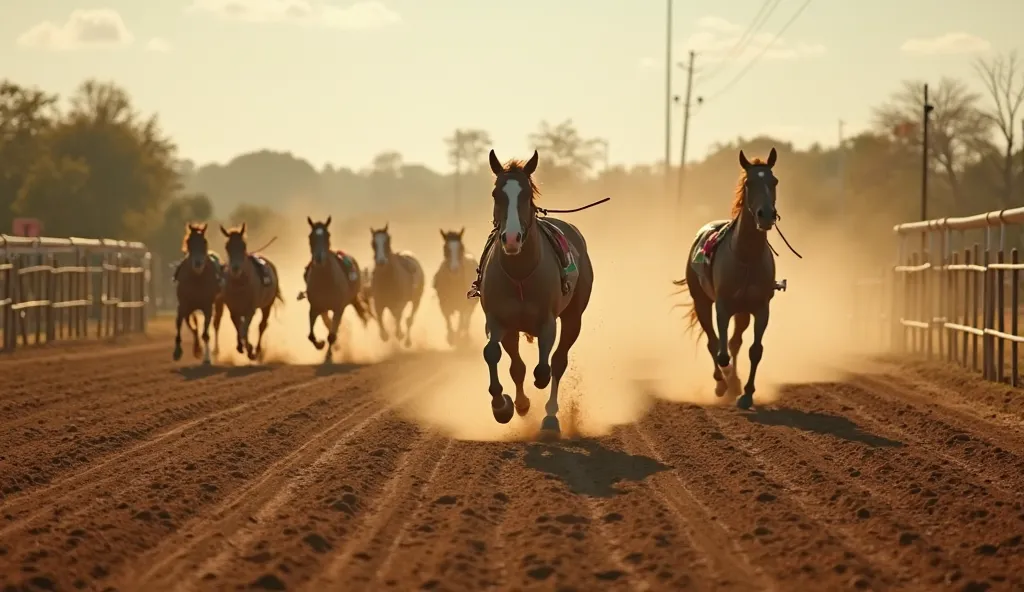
(691,308)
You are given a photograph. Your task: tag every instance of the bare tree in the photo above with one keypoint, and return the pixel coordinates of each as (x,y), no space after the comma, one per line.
(1003,77)
(958,126)
(466,147)
(568,156)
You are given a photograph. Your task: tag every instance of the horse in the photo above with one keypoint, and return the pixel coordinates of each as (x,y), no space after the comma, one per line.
(456,270)
(333,282)
(396,282)
(252,284)
(541,273)
(198,289)
(739,278)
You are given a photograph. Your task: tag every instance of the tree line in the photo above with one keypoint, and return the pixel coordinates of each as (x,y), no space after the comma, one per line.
(99,168)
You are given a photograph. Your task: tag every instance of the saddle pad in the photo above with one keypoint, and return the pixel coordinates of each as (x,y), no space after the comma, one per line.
(266,271)
(709,237)
(566,252)
(348,264)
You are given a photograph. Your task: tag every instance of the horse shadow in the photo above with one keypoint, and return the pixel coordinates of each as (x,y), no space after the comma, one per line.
(336,368)
(820,423)
(589,468)
(203,371)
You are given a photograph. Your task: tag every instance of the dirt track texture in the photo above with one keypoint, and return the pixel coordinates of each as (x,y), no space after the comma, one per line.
(122,471)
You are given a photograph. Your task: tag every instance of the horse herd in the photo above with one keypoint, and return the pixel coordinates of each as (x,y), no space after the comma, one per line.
(533,270)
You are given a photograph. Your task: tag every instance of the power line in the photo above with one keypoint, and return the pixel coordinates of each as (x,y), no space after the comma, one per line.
(752,29)
(763,51)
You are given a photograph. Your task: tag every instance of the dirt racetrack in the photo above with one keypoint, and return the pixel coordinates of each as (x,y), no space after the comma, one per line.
(120,470)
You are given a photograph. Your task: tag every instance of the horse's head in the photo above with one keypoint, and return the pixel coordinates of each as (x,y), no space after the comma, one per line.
(319,239)
(514,194)
(758,185)
(236,249)
(197,247)
(380,242)
(454,248)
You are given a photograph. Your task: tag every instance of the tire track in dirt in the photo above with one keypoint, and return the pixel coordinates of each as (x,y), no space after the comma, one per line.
(202,550)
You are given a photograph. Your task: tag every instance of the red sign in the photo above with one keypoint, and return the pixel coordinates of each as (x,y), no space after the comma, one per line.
(27,227)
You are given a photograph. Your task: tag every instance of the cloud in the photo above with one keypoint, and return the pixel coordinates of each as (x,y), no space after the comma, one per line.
(716,39)
(361,15)
(158,44)
(950,43)
(101,27)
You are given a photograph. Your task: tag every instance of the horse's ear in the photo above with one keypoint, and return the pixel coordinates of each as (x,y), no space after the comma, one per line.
(327,222)
(202,228)
(309,221)
(224,232)
(242,229)
(443,235)
(531,165)
(386,226)
(496,167)
(462,231)
(772,156)
(743,161)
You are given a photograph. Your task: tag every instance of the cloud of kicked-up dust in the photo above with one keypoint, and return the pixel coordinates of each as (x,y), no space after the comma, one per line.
(633,347)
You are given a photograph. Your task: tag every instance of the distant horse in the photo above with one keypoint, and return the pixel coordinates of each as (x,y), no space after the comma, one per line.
(739,278)
(457,270)
(541,273)
(252,284)
(397,281)
(199,285)
(333,282)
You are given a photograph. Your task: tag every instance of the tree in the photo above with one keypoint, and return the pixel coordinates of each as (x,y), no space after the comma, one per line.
(261,223)
(26,116)
(466,147)
(566,156)
(957,130)
(1003,78)
(190,208)
(119,166)
(387,163)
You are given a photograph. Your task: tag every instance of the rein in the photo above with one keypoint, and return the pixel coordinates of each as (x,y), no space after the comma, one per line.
(546,211)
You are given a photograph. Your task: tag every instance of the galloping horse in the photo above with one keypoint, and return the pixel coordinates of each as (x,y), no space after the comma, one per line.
(457,269)
(731,265)
(252,284)
(198,289)
(397,281)
(541,273)
(333,282)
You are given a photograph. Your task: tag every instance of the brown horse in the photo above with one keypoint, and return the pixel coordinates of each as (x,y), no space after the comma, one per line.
(198,289)
(732,266)
(541,273)
(333,282)
(397,282)
(456,271)
(252,284)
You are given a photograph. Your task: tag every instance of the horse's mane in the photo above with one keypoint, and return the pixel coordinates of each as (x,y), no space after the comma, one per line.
(514,165)
(737,200)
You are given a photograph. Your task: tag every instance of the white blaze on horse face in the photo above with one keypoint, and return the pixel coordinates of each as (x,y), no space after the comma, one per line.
(513,226)
(380,256)
(453,254)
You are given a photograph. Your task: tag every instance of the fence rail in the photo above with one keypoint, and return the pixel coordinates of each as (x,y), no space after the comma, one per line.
(59,288)
(957,292)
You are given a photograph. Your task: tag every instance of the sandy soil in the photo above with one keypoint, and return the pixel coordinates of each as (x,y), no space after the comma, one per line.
(120,470)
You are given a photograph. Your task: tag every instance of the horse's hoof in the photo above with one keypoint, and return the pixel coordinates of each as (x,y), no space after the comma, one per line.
(745,402)
(504,413)
(177,353)
(522,408)
(542,376)
(319,345)
(721,387)
(408,342)
(240,349)
(550,429)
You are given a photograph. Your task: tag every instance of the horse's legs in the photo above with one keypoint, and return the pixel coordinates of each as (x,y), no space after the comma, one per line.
(756,350)
(264,321)
(723,315)
(379,308)
(397,313)
(740,323)
(207,319)
(448,314)
(312,325)
(517,370)
(702,308)
(545,342)
(218,316)
(412,316)
(501,404)
(193,325)
(241,329)
(177,337)
(332,331)
(571,324)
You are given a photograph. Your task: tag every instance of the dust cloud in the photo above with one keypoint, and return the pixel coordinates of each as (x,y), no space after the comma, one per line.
(633,348)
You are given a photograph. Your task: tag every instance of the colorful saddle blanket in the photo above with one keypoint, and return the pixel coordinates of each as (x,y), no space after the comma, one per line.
(709,238)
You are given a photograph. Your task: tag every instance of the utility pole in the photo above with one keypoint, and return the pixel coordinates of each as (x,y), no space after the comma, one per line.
(686,131)
(842,169)
(668,95)
(926,116)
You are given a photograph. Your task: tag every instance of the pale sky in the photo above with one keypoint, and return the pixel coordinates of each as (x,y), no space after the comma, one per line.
(340,81)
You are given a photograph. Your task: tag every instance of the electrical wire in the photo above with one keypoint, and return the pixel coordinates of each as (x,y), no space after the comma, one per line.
(752,29)
(739,76)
